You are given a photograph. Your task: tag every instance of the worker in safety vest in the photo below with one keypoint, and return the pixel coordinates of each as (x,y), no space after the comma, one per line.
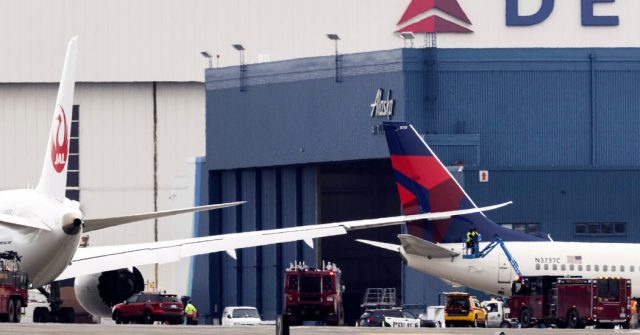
(634,314)
(191,314)
(475,241)
(469,241)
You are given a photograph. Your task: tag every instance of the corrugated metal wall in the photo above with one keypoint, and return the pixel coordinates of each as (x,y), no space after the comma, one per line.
(280,197)
(116,154)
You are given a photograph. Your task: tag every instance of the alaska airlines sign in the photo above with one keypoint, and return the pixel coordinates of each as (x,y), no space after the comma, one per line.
(589,19)
(380,108)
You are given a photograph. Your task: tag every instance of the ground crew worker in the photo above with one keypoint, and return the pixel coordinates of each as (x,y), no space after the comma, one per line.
(475,241)
(469,241)
(633,323)
(191,314)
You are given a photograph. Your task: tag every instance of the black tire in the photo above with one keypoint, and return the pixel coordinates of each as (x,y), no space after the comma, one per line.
(340,316)
(17,317)
(40,315)
(67,315)
(505,324)
(573,320)
(525,318)
(117,317)
(11,310)
(147,318)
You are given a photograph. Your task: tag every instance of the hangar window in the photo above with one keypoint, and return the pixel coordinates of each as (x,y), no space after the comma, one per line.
(528,228)
(601,229)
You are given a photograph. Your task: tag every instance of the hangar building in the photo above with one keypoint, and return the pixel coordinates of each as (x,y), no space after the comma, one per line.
(555,130)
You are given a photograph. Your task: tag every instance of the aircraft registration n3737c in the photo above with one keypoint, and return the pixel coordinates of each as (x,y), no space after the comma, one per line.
(44,227)
(436,247)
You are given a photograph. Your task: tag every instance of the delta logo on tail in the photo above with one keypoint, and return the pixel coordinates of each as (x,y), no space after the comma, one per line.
(433,23)
(425,185)
(59,141)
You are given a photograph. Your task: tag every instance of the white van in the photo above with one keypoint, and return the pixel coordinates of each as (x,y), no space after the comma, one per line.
(240,315)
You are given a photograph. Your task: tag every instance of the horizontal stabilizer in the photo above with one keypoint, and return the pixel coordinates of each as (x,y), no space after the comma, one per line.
(96,224)
(387,246)
(18,222)
(416,246)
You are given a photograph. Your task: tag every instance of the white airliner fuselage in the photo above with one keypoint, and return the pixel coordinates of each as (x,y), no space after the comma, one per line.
(45,252)
(494,274)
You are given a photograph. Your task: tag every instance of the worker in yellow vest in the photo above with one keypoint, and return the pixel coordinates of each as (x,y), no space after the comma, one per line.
(634,314)
(191,313)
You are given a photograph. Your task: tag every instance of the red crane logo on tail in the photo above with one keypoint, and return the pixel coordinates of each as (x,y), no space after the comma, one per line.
(59,140)
(434,23)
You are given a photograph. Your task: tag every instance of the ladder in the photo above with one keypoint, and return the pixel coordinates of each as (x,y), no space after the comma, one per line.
(379,298)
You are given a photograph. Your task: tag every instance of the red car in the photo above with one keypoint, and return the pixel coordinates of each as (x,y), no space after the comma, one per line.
(148,307)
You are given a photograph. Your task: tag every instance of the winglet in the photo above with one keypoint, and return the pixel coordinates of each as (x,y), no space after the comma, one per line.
(382,245)
(53,178)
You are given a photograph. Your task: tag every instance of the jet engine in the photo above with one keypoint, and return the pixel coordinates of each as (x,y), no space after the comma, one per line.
(97,293)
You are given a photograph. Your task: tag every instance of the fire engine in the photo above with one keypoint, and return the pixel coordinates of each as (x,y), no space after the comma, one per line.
(313,294)
(14,287)
(571,302)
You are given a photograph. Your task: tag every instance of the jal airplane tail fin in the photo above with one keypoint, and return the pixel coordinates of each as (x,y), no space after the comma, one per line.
(425,185)
(53,178)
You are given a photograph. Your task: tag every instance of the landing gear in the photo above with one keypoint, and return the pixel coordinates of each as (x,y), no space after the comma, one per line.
(54,313)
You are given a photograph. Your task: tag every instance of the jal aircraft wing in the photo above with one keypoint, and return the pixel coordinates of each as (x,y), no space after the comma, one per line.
(96,224)
(98,259)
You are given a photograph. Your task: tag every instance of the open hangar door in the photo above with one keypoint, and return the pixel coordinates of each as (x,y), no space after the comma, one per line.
(353,191)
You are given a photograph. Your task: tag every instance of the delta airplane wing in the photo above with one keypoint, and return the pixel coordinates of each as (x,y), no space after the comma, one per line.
(99,259)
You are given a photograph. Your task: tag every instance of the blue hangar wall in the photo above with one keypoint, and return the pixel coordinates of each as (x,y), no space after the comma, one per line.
(557,129)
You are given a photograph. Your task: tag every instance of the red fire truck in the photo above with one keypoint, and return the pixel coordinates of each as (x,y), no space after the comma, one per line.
(313,294)
(571,302)
(14,287)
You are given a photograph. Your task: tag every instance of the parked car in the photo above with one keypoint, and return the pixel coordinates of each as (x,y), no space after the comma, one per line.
(148,307)
(394,317)
(464,309)
(241,315)
(433,317)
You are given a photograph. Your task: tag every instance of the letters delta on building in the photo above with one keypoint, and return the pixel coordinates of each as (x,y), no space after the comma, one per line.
(539,95)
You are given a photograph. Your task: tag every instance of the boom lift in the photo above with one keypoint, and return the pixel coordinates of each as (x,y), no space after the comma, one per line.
(484,252)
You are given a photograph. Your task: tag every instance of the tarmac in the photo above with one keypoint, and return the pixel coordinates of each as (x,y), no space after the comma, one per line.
(113,329)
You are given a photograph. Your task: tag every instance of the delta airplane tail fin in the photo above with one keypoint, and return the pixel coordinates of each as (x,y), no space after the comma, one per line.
(53,179)
(425,185)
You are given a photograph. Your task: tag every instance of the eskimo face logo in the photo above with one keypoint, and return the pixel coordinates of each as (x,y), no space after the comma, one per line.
(59,140)
(433,23)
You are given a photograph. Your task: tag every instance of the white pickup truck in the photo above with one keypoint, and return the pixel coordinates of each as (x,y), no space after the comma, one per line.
(497,314)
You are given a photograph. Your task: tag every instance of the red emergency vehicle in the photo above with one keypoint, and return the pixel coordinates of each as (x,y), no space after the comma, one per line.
(313,294)
(14,287)
(571,302)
